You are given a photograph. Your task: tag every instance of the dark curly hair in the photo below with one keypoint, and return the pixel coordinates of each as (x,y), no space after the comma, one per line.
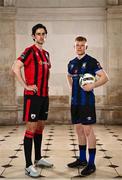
(37,26)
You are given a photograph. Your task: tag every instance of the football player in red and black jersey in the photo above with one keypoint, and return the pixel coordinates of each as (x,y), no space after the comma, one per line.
(36,63)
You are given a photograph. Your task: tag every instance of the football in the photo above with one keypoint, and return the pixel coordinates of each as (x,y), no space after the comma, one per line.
(86,78)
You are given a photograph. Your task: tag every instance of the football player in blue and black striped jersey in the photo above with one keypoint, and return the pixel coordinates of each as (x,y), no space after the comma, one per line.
(83,112)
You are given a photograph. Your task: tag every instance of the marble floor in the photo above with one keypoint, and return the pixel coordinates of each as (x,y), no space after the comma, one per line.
(60,147)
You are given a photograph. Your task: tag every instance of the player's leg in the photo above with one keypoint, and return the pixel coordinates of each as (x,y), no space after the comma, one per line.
(91,139)
(28,138)
(38,139)
(43,115)
(76,119)
(81,161)
(88,130)
(31,125)
(82,142)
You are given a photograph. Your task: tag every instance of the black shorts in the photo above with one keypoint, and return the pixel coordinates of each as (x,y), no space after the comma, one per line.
(35,108)
(83,114)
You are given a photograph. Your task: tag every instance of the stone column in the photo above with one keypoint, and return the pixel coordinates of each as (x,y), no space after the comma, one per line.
(112,2)
(9,2)
(1,3)
(8,108)
(114,38)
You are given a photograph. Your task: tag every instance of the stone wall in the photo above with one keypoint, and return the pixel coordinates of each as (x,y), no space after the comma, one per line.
(60,3)
(114,40)
(1,2)
(99,21)
(8,108)
(89,22)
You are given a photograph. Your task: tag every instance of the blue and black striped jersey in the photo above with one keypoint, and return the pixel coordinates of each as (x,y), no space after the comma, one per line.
(76,69)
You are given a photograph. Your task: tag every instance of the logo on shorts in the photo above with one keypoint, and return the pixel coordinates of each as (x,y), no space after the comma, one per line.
(89,118)
(33,116)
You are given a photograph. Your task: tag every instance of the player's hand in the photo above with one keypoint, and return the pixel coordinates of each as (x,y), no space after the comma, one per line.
(32,88)
(88,87)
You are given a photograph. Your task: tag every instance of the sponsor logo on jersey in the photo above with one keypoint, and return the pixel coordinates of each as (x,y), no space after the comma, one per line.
(40,62)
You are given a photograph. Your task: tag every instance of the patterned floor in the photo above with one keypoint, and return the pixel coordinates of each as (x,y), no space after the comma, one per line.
(60,147)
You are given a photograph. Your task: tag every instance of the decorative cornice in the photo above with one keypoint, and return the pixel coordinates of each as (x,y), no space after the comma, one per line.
(98,107)
(53,14)
(113,2)
(9,2)
(7,13)
(114,12)
(8,108)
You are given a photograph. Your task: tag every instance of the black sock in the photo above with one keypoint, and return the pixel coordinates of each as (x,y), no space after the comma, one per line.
(28,147)
(37,144)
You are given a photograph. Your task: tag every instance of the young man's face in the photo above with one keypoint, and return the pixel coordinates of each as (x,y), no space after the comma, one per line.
(40,36)
(80,47)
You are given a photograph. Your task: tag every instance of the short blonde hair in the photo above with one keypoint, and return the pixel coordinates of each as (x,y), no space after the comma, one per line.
(80,38)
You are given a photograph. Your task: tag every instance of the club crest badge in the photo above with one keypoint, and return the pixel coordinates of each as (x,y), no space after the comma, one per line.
(47,56)
(23,56)
(33,116)
(84,65)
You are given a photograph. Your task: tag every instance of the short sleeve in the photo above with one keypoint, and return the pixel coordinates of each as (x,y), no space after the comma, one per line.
(96,66)
(70,68)
(25,56)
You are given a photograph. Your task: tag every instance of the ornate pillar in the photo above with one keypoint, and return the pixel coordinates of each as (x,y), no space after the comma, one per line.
(1,3)
(9,2)
(8,108)
(112,2)
(114,91)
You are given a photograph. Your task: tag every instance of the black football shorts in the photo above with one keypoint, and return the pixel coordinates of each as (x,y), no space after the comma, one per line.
(83,114)
(35,108)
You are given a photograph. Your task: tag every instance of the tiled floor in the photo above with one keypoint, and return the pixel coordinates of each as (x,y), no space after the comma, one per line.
(60,147)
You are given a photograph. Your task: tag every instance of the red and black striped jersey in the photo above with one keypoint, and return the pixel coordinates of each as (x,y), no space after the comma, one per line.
(36,69)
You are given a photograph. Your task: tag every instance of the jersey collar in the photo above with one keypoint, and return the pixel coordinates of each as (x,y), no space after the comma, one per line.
(80,57)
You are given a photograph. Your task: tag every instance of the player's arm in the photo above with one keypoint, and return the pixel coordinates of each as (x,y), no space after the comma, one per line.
(69,78)
(16,68)
(102,78)
(49,65)
(49,75)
